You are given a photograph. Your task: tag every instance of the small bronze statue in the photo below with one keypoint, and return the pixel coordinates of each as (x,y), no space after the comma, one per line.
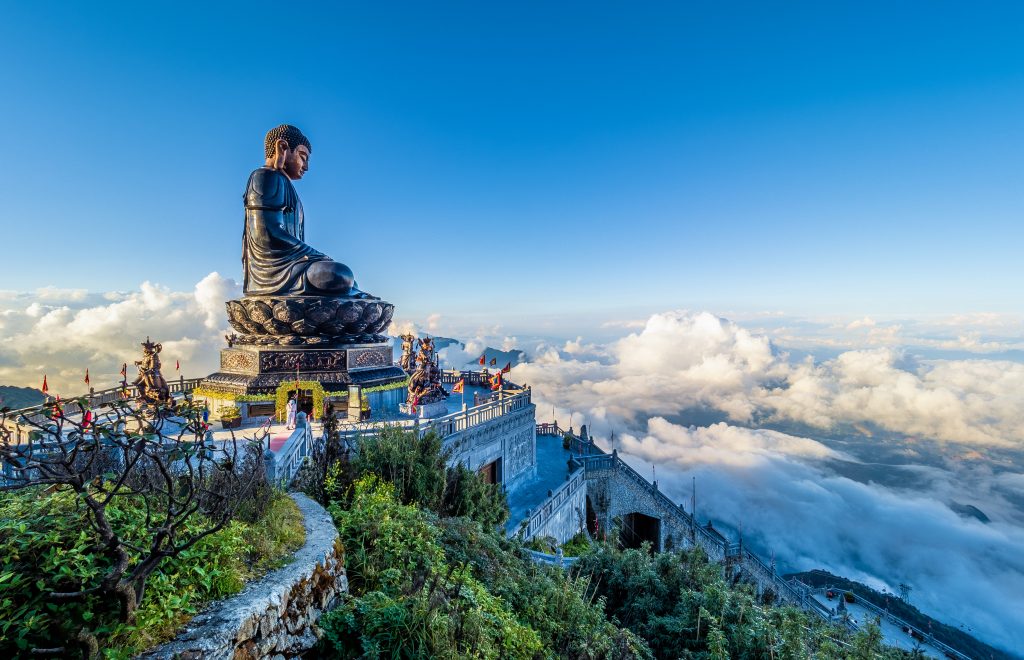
(275,257)
(425,383)
(407,362)
(150,383)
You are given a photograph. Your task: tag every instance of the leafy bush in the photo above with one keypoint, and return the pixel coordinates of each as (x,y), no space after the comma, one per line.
(46,545)
(406,599)
(577,545)
(418,469)
(682,606)
(562,608)
(230,412)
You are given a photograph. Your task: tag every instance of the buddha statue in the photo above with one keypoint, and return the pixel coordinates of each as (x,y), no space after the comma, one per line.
(294,294)
(276,260)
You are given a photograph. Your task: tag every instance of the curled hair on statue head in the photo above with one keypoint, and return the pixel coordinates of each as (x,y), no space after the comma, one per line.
(290,134)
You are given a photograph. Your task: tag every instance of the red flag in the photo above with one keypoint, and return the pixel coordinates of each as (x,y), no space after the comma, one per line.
(46,388)
(124,371)
(86,418)
(177,365)
(494,362)
(87,377)
(507,368)
(482,360)
(496,381)
(458,387)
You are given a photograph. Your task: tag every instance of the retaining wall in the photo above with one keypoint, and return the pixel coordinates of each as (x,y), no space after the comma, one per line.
(275,616)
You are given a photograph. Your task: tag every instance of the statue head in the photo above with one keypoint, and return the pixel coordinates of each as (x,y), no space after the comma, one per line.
(288,150)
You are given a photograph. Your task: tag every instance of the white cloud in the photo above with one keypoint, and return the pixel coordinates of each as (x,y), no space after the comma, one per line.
(52,293)
(62,341)
(684,361)
(866,322)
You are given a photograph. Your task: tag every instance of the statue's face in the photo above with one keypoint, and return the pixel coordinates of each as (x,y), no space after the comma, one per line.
(296,162)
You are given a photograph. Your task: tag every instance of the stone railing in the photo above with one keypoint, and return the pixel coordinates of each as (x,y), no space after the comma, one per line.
(276,615)
(94,398)
(284,465)
(485,412)
(579,443)
(553,560)
(558,497)
(288,459)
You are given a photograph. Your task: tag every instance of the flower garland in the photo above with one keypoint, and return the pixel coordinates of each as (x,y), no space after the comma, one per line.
(284,389)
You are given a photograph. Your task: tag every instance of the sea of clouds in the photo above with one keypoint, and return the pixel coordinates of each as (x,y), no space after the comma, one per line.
(835,444)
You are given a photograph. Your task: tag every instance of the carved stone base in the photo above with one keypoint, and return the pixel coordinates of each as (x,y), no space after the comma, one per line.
(308,320)
(425,410)
(261,369)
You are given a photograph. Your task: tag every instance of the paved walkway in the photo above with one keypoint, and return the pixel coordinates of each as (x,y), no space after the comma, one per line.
(891,632)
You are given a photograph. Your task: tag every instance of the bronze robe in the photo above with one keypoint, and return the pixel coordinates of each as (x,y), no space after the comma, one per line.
(274,255)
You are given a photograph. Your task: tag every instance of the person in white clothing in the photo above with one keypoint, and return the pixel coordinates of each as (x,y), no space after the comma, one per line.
(291,409)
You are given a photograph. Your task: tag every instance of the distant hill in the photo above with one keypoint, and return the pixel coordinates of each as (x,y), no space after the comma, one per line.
(969,511)
(445,342)
(946,634)
(19,397)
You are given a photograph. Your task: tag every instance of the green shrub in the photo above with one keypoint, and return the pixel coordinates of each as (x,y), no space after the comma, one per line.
(230,412)
(406,599)
(418,469)
(577,545)
(46,545)
(681,605)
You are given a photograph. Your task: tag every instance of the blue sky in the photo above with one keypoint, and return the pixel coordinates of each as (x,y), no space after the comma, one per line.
(511,159)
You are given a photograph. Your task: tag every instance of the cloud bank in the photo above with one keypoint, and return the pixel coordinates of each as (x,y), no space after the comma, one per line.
(60,333)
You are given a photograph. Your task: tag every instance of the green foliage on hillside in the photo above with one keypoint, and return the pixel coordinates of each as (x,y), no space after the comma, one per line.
(418,468)
(46,545)
(431,573)
(681,605)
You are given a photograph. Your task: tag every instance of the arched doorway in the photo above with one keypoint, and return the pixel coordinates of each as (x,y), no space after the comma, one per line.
(304,399)
(637,528)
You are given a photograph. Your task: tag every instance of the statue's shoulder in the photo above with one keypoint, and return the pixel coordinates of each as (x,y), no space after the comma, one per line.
(267,189)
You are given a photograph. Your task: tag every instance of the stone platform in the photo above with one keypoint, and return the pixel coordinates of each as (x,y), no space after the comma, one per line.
(250,369)
(425,410)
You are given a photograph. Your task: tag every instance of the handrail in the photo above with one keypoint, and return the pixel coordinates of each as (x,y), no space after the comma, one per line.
(454,423)
(289,458)
(547,508)
(460,421)
(555,560)
(99,397)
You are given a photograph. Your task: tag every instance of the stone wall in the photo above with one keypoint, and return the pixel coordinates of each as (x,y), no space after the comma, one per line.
(275,616)
(511,437)
(615,490)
